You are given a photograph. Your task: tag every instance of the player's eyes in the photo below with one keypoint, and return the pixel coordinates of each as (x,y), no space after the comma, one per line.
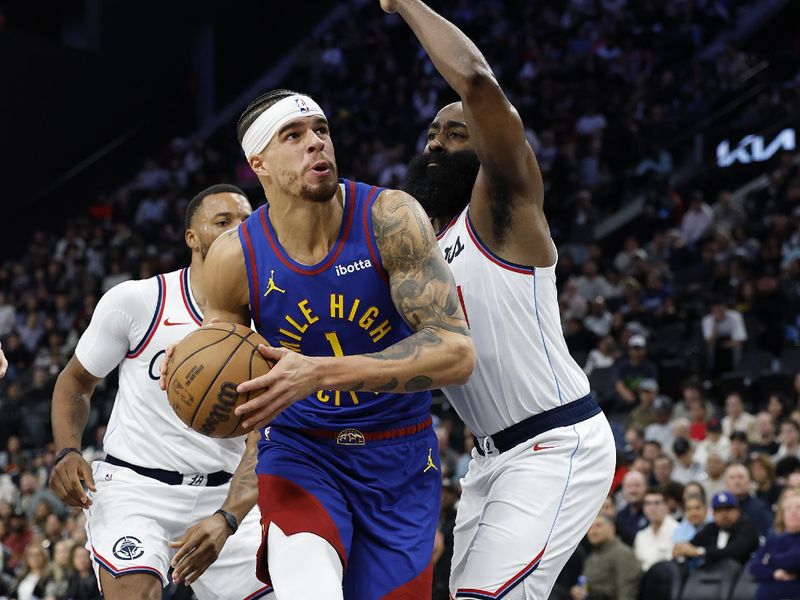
(322,131)
(222,223)
(292,136)
(457,136)
(431,136)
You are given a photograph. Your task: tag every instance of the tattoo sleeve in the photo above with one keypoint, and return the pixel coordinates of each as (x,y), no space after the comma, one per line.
(422,286)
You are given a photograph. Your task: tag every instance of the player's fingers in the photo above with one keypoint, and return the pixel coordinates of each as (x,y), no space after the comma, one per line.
(266,416)
(76,492)
(258,383)
(185,544)
(272,353)
(86,475)
(57,485)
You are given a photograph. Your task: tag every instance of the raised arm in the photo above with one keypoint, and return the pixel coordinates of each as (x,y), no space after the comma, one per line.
(438,353)
(509,182)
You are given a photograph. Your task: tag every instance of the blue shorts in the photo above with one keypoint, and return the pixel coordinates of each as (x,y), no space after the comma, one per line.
(376,501)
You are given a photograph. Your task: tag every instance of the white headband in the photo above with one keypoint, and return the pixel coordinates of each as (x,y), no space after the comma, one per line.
(264,128)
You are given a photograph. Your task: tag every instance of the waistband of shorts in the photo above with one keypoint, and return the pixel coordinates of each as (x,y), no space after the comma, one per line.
(351,436)
(560,416)
(173,477)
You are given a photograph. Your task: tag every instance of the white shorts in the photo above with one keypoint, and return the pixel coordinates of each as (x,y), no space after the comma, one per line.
(133,518)
(522,513)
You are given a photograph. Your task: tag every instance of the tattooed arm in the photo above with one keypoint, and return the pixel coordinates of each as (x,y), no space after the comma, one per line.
(200,545)
(438,353)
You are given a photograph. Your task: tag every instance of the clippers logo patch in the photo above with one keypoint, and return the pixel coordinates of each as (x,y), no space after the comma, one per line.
(128,548)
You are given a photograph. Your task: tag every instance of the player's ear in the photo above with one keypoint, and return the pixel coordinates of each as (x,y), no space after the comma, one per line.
(190,236)
(258,165)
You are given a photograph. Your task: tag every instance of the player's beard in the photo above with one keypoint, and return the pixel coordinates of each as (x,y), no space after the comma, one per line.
(443,190)
(322,192)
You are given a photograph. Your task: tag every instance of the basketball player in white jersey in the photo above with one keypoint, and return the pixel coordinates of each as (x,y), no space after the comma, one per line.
(544,455)
(151,503)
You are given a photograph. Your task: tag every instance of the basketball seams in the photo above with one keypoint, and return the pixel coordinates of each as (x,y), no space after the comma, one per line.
(180,364)
(213,379)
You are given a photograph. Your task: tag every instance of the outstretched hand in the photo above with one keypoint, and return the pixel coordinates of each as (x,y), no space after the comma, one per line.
(292,377)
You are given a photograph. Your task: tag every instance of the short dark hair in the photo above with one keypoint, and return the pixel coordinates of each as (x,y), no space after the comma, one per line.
(656,491)
(196,202)
(258,106)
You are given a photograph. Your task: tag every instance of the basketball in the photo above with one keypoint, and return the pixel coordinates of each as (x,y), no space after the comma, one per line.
(204,372)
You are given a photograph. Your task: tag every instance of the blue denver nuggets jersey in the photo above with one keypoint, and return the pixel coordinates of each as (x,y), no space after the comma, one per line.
(340,306)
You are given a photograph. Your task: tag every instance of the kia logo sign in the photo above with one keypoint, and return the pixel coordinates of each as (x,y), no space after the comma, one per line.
(753,148)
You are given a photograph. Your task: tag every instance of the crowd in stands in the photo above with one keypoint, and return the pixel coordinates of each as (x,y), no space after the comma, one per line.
(689,332)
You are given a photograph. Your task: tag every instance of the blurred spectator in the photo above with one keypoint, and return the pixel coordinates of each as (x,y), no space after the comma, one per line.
(603,356)
(762,472)
(686,468)
(58,585)
(736,419)
(776,564)
(644,413)
(611,570)
(82,582)
(714,442)
(714,479)
(591,284)
(740,448)
(695,517)
(654,542)
(661,430)
(631,518)
(698,418)
(737,483)
(789,439)
(17,538)
(34,576)
(725,333)
(730,535)
(662,470)
(765,431)
(630,371)
(697,220)
(599,319)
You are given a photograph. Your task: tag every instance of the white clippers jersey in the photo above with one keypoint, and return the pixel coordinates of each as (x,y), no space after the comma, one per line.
(523,364)
(131,327)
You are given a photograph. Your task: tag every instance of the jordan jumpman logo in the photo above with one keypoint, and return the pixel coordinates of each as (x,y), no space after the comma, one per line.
(271,287)
(431,464)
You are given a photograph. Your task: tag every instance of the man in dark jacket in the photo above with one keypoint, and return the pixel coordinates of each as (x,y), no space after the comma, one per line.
(730,535)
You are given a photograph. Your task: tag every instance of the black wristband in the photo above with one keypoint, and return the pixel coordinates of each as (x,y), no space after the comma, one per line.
(63,452)
(233,524)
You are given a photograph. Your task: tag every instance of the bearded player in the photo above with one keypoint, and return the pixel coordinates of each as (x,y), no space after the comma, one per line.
(347,284)
(164,495)
(544,454)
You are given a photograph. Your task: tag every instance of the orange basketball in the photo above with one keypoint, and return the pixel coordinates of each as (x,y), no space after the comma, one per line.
(205,370)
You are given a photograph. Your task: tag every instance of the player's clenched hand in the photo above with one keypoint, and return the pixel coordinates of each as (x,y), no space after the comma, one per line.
(388,6)
(198,548)
(66,478)
(293,377)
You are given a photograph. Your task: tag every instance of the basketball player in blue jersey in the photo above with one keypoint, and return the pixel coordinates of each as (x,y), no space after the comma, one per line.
(347,284)
(544,454)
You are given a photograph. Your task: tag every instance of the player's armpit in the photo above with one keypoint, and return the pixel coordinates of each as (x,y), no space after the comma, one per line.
(225,278)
